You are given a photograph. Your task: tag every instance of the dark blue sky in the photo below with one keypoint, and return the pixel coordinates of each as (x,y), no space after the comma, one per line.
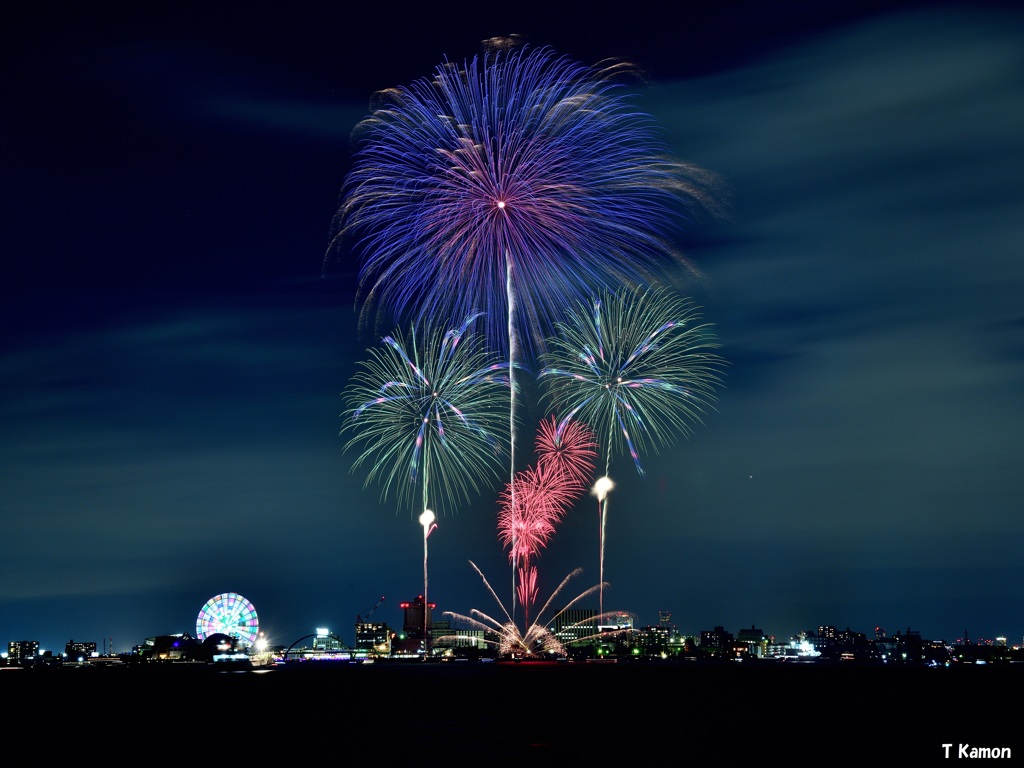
(172,353)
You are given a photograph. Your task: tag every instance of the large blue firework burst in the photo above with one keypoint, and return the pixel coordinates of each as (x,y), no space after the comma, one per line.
(429,414)
(518,182)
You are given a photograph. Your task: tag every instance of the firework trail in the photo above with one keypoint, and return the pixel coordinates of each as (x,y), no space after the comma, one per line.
(428,412)
(536,639)
(639,367)
(427,520)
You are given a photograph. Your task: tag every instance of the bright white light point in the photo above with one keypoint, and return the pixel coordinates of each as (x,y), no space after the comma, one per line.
(427,518)
(501,204)
(602,487)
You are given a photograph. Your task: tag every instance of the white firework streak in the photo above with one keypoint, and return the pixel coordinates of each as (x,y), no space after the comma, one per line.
(537,639)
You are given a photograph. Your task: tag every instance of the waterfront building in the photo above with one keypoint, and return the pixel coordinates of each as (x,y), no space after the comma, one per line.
(754,642)
(715,641)
(325,641)
(179,647)
(574,625)
(373,638)
(22,652)
(419,619)
(417,628)
(79,651)
(446,635)
(653,641)
(616,621)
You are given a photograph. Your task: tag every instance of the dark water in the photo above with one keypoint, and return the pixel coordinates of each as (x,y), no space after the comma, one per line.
(505,714)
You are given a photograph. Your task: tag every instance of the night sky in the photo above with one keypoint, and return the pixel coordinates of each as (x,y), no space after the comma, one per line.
(174,345)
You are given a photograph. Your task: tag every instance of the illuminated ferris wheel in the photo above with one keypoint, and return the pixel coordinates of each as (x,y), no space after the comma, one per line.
(230,614)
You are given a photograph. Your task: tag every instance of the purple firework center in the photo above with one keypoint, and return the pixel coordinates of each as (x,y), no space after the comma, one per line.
(519,166)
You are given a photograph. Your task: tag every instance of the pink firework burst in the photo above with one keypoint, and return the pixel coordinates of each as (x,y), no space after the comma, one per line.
(529,511)
(567,448)
(537,499)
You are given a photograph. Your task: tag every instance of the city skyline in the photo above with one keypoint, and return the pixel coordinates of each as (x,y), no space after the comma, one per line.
(220,606)
(175,345)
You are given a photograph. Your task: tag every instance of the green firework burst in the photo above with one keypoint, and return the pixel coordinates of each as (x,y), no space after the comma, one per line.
(639,366)
(429,415)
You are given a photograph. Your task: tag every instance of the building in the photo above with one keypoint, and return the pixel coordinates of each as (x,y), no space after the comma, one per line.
(575,625)
(78,652)
(754,641)
(715,641)
(417,628)
(653,641)
(327,642)
(22,653)
(616,621)
(445,635)
(373,638)
(419,618)
(180,647)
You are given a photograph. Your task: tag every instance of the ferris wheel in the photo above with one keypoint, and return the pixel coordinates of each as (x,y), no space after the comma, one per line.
(230,614)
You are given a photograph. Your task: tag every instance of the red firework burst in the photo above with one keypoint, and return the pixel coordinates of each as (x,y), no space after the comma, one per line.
(529,511)
(567,448)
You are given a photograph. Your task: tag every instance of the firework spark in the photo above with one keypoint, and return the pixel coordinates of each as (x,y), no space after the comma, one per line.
(639,367)
(536,639)
(490,182)
(429,412)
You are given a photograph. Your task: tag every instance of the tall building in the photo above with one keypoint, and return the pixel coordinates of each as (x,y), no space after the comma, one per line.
(21,652)
(417,627)
(419,619)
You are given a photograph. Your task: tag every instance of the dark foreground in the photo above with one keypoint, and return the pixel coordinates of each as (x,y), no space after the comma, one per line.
(505,714)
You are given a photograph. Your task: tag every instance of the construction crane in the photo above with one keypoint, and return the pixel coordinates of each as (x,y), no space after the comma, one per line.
(361,619)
